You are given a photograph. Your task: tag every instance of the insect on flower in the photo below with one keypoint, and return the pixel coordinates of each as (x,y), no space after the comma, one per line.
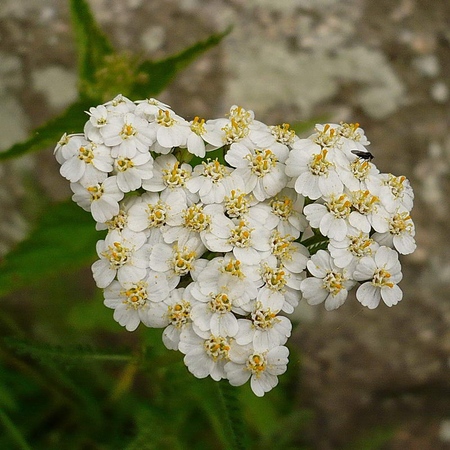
(363,155)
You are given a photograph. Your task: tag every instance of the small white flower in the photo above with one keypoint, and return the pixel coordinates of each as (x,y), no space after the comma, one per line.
(169,129)
(346,253)
(132,301)
(150,108)
(265,136)
(85,162)
(399,192)
(281,288)
(122,254)
(226,131)
(383,272)
(292,255)
(262,368)
(101,199)
(239,205)
(213,181)
(176,260)
(127,134)
(205,354)
(331,217)
(400,234)
(351,138)
(213,312)
(191,222)
(358,174)
(264,330)
(329,283)
(131,171)
(177,314)
(120,105)
(367,212)
(228,271)
(168,173)
(153,211)
(249,241)
(119,222)
(286,209)
(262,169)
(313,169)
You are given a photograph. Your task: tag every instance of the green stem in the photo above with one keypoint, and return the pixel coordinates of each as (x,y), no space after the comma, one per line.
(13,431)
(233,416)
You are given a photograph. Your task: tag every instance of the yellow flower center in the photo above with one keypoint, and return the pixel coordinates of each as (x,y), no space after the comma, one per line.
(262,162)
(217,347)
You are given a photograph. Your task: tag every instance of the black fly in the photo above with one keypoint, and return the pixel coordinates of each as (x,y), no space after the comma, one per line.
(363,155)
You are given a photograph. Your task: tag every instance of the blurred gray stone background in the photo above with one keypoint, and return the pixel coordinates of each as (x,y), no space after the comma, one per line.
(384,64)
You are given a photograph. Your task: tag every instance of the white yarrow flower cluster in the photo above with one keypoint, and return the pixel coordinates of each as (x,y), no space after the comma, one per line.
(219,254)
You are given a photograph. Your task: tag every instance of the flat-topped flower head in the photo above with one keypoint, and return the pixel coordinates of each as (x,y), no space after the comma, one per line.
(381,274)
(217,252)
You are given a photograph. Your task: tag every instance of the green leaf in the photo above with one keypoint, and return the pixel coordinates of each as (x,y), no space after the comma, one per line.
(67,355)
(316,242)
(160,73)
(63,240)
(72,120)
(92,43)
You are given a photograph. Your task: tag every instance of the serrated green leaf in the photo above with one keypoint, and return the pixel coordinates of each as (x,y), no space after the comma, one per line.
(92,43)
(64,239)
(160,73)
(72,120)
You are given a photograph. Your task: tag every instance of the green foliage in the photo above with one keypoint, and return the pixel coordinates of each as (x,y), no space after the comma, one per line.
(103,73)
(316,242)
(64,239)
(160,73)
(72,120)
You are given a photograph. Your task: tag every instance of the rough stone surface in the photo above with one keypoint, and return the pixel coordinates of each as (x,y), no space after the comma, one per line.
(383,64)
